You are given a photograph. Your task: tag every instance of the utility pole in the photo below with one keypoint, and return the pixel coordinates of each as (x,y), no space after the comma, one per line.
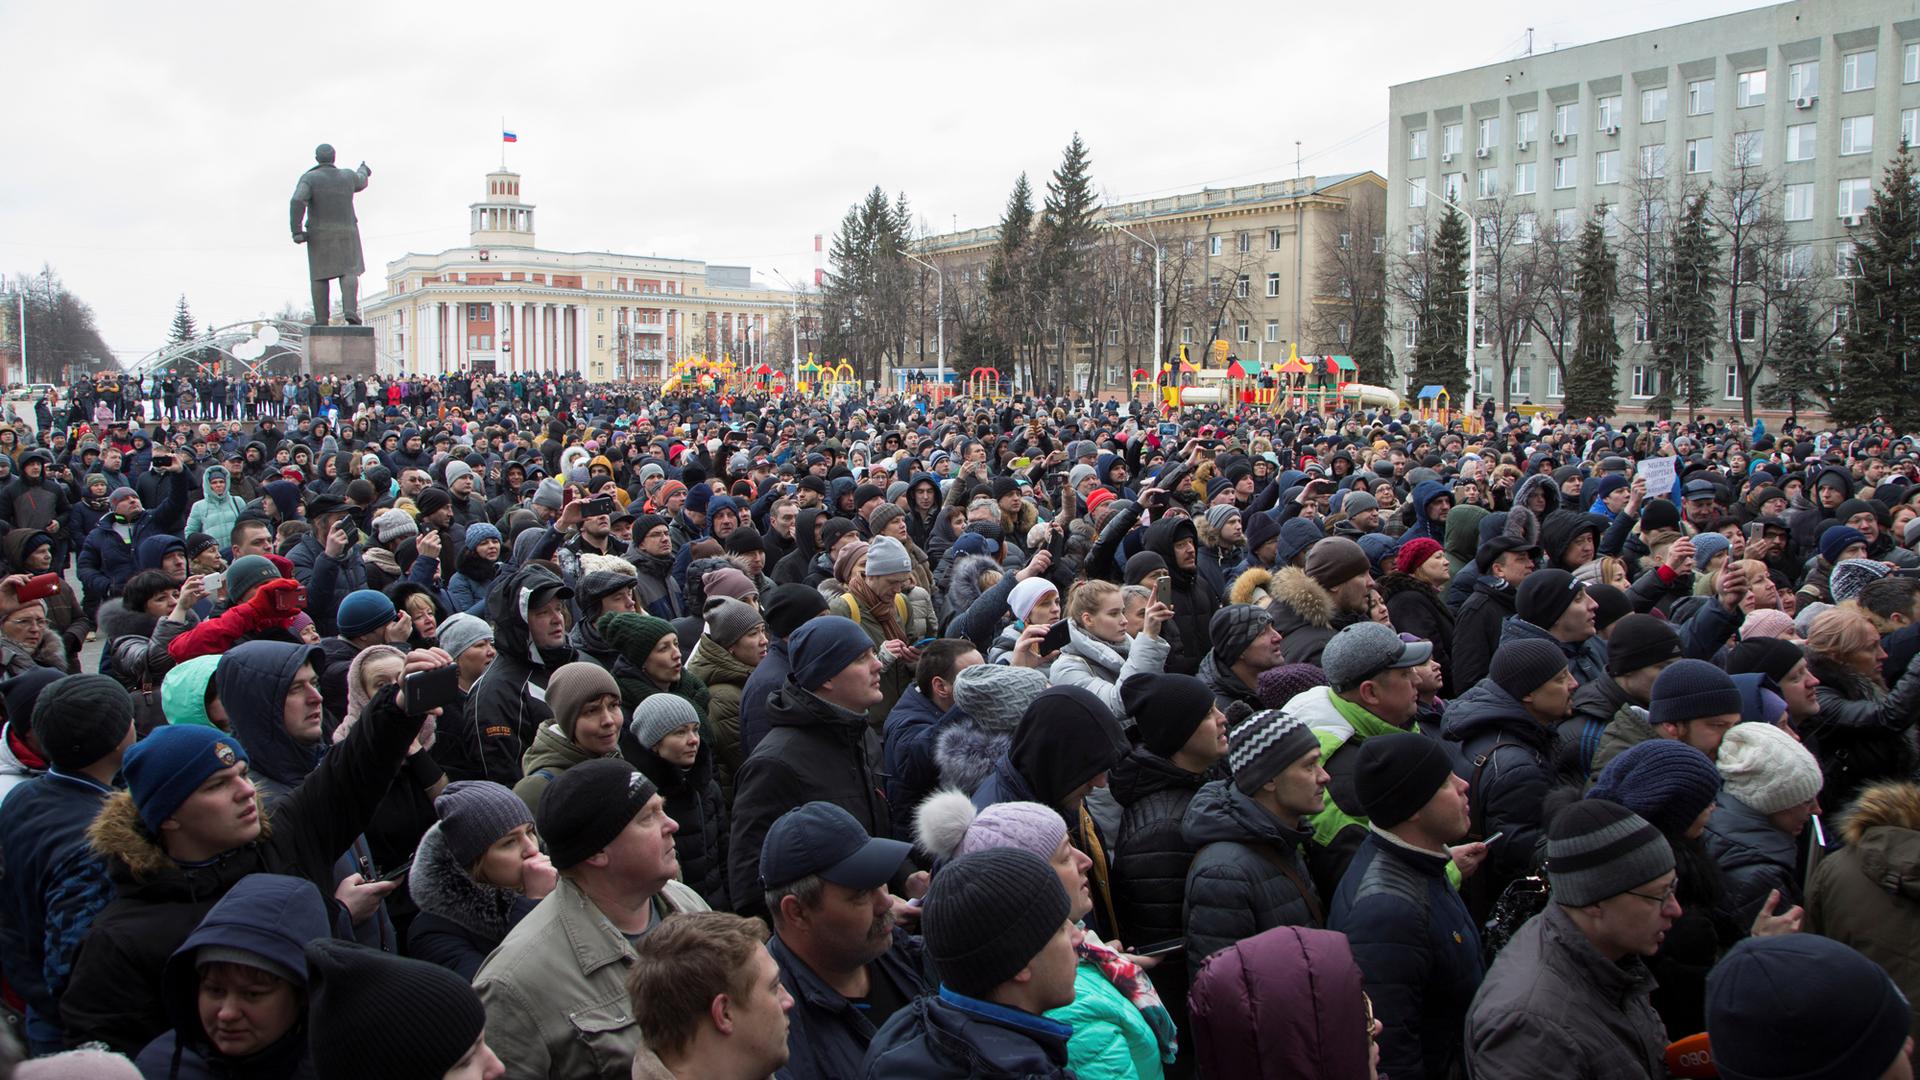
(1299,240)
(940,319)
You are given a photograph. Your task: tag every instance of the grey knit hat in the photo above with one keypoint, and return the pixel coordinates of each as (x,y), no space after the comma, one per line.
(1218,516)
(658,716)
(1235,627)
(474,814)
(728,620)
(995,695)
(550,494)
(1852,575)
(394,524)
(988,915)
(886,556)
(1264,744)
(1598,849)
(462,632)
(1080,474)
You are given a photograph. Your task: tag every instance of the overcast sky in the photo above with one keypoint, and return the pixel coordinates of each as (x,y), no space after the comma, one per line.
(150,149)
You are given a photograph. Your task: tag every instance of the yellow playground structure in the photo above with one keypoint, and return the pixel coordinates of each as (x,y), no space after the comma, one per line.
(1314,383)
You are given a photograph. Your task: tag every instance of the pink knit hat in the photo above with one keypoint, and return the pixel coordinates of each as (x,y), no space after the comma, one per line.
(1766,623)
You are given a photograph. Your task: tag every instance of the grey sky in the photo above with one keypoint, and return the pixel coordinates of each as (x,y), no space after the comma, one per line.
(150,148)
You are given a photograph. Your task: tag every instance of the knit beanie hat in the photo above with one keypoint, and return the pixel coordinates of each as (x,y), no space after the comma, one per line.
(462,632)
(248,573)
(1803,618)
(1656,514)
(1297,535)
(996,695)
(1261,530)
(1028,826)
(1766,623)
(1598,849)
(1706,546)
(572,686)
(1640,641)
(1610,605)
(1142,563)
(164,768)
(1166,708)
(1545,595)
(1218,516)
(728,581)
(77,1065)
(745,539)
(1397,774)
(1852,575)
(1663,780)
(1235,627)
(1335,561)
(587,806)
(363,612)
(1803,1007)
(823,648)
(698,496)
(658,716)
(1024,595)
(372,1014)
(18,694)
(1358,502)
(632,633)
(886,556)
(1264,744)
(478,533)
(80,719)
(1837,539)
(789,607)
(1767,768)
(1099,497)
(1414,553)
(1521,667)
(550,495)
(728,620)
(1691,690)
(1771,657)
(434,499)
(1282,684)
(988,915)
(475,814)
(394,524)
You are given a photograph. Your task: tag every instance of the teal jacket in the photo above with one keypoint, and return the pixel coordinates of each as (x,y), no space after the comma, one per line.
(1110,1040)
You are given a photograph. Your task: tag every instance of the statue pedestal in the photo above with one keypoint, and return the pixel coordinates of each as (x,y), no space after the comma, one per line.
(339,351)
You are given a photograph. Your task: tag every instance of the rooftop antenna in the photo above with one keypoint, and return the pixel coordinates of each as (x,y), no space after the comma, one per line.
(1529,41)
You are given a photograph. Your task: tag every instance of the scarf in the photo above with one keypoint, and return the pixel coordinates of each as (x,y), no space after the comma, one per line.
(1127,977)
(886,614)
(24,753)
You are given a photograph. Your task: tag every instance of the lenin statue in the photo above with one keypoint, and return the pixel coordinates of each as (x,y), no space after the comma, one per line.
(322,218)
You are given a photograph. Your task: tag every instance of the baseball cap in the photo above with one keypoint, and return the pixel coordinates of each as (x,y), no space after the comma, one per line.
(819,838)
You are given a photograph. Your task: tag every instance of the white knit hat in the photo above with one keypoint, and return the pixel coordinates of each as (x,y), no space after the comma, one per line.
(1764,767)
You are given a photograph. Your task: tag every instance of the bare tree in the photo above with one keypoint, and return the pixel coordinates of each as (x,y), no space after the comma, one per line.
(1349,298)
(1550,249)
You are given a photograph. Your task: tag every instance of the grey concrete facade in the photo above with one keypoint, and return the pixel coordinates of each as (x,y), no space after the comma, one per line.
(1822,91)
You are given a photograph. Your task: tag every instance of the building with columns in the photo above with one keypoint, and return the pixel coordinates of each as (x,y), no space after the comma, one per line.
(503,305)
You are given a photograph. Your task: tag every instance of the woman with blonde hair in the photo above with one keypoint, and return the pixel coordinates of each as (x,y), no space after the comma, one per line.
(1100,654)
(1862,731)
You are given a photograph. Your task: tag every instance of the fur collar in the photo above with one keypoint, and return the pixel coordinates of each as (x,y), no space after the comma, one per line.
(117,834)
(968,753)
(441,888)
(1897,805)
(1253,586)
(117,621)
(1292,588)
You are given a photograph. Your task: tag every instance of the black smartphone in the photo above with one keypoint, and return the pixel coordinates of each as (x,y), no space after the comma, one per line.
(599,506)
(1160,948)
(429,690)
(1057,637)
(402,870)
(1163,590)
(351,528)
(162,461)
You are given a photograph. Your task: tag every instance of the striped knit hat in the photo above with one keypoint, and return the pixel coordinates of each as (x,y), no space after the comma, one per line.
(1598,849)
(1264,745)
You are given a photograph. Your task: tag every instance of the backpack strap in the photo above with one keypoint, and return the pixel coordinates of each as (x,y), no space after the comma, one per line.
(1305,888)
(1476,804)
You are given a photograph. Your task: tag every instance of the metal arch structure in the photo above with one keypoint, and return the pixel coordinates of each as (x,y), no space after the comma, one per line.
(224,340)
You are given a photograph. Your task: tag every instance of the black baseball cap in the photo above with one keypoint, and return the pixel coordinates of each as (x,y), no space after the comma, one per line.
(822,839)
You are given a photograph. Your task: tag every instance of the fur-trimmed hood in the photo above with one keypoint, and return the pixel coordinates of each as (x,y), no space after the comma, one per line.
(134,856)
(1298,600)
(117,620)
(1253,586)
(1880,806)
(1394,584)
(963,585)
(968,752)
(441,887)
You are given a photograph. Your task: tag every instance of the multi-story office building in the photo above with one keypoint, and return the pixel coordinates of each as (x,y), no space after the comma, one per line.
(1819,93)
(502,304)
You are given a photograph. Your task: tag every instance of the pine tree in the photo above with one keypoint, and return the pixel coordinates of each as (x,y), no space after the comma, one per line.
(1802,367)
(183,329)
(1689,319)
(1879,353)
(1440,357)
(1066,240)
(1009,326)
(1596,351)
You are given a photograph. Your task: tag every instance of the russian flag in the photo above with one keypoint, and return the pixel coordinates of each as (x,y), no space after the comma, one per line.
(508,136)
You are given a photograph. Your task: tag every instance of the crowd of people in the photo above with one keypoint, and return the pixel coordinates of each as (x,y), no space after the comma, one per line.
(473,727)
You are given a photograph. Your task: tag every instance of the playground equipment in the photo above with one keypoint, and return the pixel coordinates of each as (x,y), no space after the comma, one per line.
(809,376)
(985,383)
(1435,403)
(1142,382)
(839,379)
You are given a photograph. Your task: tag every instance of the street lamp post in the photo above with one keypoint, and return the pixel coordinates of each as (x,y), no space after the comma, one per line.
(940,319)
(1159,297)
(793,307)
(1473,279)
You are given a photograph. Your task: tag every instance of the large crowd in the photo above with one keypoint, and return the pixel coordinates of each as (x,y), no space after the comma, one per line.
(479,727)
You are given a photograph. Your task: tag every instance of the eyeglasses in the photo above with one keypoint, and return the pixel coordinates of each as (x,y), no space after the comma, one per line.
(1673,889)
(30,623)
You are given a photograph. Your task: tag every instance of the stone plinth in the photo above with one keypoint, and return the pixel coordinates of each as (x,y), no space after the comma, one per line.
(339,350)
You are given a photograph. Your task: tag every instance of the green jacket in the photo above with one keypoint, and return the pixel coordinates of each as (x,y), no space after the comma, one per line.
(550,755)
(1110,1040)
(1341,728)
(725,677)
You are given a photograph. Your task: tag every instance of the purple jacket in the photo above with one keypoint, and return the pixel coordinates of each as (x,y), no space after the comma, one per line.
(1284,1004)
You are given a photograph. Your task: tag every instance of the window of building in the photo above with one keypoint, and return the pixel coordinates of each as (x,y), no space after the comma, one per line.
(1554,388)
(1243,242)
(1526,225)
(1910,126)
(1489,132)
(1653,104)
(1566,118)
(1480,332)
(1747,324)
(1524,178)
(1699,97)
(1186,333)
(1489,183)
(1803,79)
(1416,195)
(1797,263)
(1746,149)
(1346,241)
(1731,388)
(1700,155)
(1653,161)
(1273,239)
(1416,239)
(1242,287)
(1607,113)
(1527,125)
(1484,379)
(1856,135)
(1273,284)
(1910,62)
(1241,332)
(1641,334)
(1857,70)
(1417,145)
(1855,194)
(1646,381)
(1522,382)
(1273,330)
(599,341)
(1749,88)
(1846,259)
(1344,331)
(1800,139)
(1610,221)
(1566,171)
(1450,139)
(1214,244)
(1453,184)
(1606,167)
(1799,200)
(1566,222)
(1411,337)
(1842,318)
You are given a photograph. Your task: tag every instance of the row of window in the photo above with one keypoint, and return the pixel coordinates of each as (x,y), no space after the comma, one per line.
(1643,382)
(1242,333)
(1857,72)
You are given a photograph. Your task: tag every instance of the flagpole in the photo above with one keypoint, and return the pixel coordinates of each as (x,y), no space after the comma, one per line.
(503,145)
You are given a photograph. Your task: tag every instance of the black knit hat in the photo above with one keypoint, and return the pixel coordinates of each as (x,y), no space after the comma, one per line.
(1772,657)
(1610,606)
(1692,690)
(1521,667)
(790,606)
(743,539)
(1640,641)
(1545,595)
(1659,514)
(587,806)
(1166,708)
(1398,774)
(80,719)
(988,915)
(433,499)
(371,1014)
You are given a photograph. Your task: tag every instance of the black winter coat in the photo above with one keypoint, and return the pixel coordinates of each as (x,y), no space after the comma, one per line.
(460,920)
(1234,888)
(692,797)
(1194,599)
(1508,790)
(1416,608)
(1476,630)
(486,740)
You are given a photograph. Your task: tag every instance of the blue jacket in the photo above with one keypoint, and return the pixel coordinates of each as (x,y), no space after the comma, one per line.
(1417,949)
(107,557)
(769,675)
(328,580)
(950,1035)
(827,1034)
(912,729)
(53,885)
(269,915)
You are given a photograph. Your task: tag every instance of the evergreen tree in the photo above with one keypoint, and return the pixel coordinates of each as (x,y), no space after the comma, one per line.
(1440,356)
(1802,367)
(1689,321)
(1596,352)
(1067,238)
(867,299)
(1009,322)
(1878,355)
(183,329)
